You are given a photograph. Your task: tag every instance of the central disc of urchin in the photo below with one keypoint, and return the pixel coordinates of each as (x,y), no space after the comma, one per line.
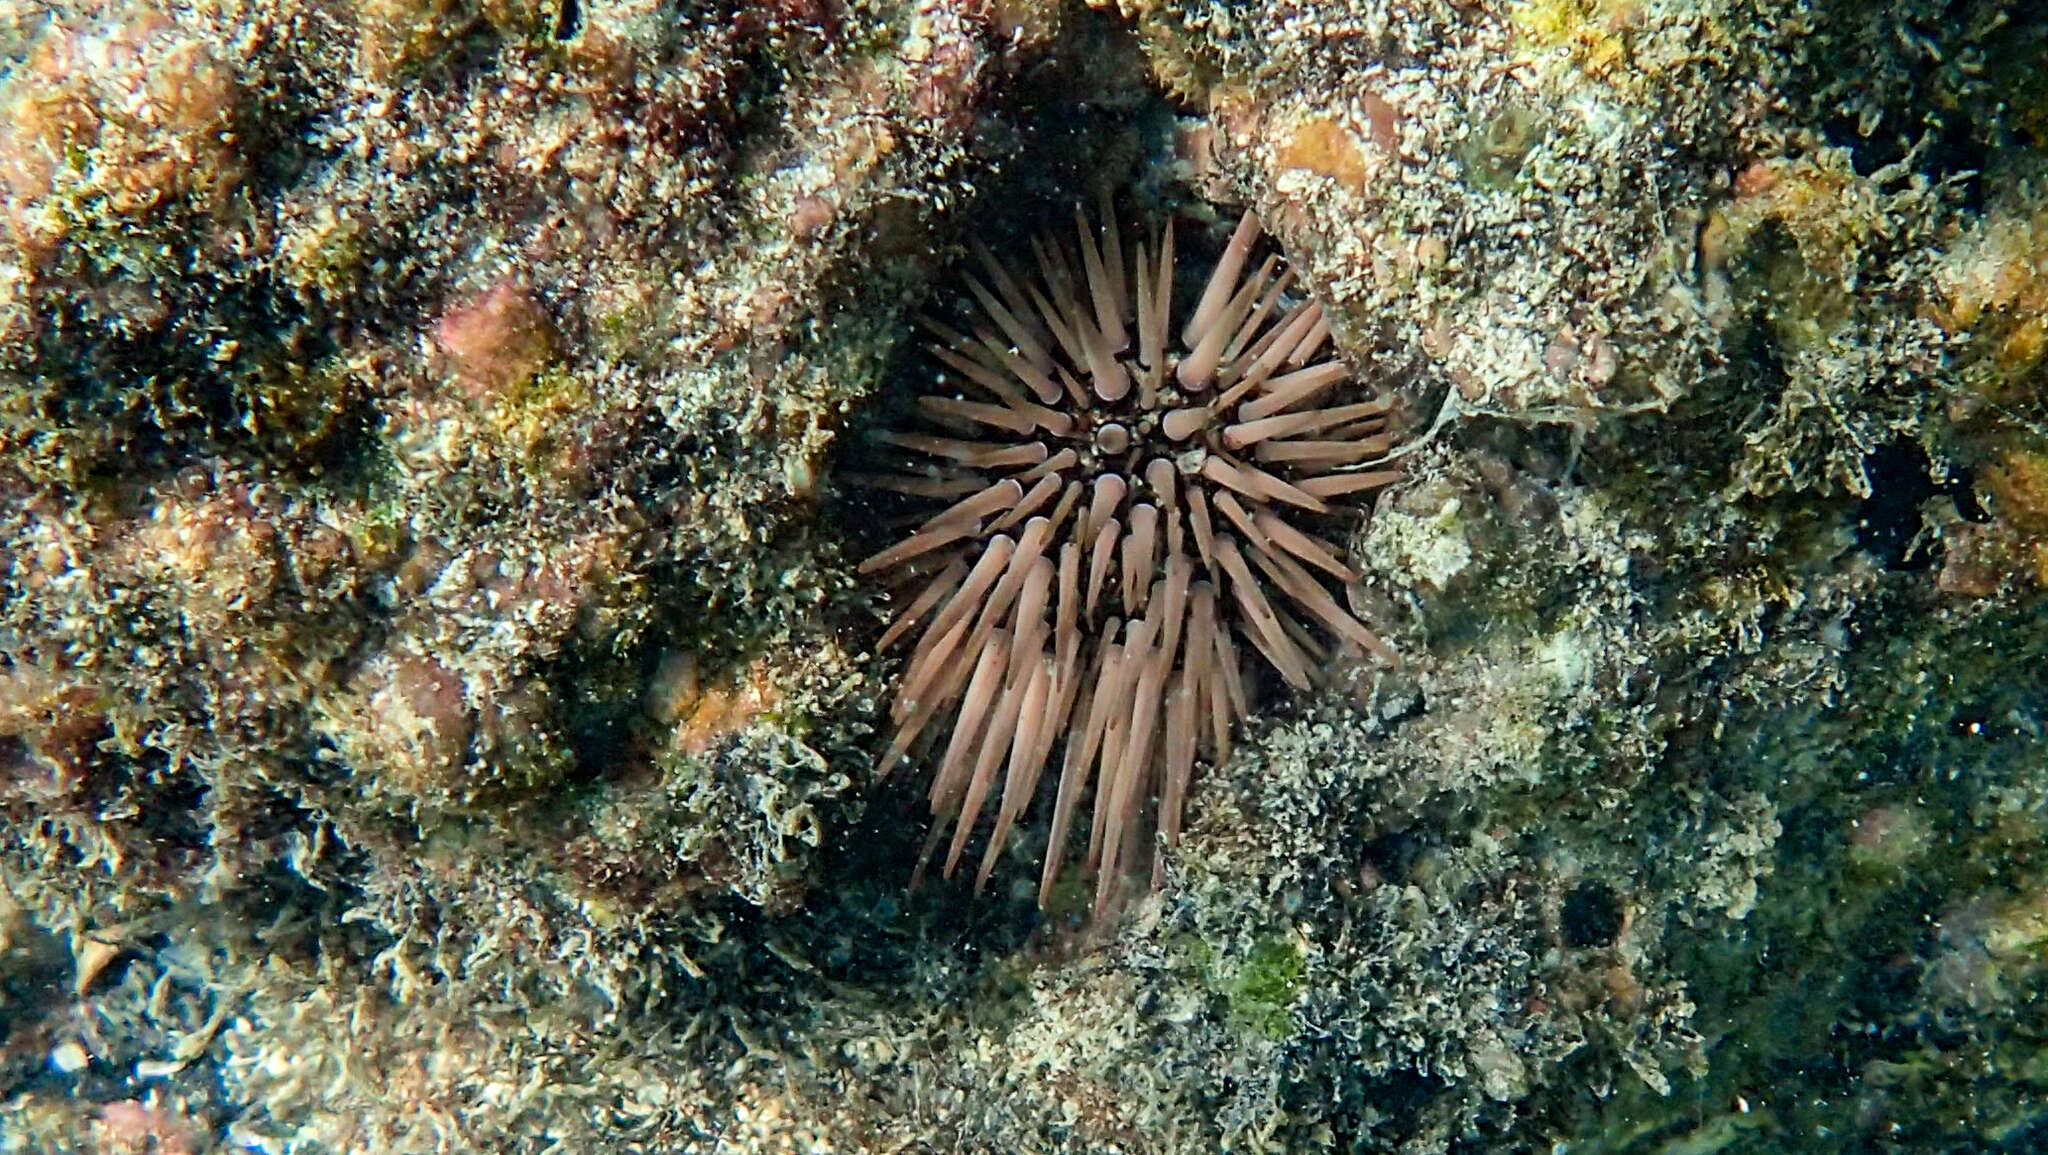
(1126,503)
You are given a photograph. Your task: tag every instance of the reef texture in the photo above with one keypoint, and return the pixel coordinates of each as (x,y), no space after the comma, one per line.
(440,710)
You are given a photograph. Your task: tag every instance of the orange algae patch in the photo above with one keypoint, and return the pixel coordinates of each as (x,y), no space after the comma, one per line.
(1995,292)
(1321,146)
(497,341)
(705,715)
(2019,483)
(124,117)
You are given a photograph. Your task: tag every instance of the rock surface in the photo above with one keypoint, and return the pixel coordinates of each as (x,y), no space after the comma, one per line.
(436,711)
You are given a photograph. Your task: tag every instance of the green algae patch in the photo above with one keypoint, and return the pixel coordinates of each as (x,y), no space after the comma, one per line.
(1493,157)
(1264,989)
(536,412)
(1259,990)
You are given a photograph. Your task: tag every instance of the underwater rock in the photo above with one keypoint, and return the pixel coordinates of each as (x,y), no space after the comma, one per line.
(398,400)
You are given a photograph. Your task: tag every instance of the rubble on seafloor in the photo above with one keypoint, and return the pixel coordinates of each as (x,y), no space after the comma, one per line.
(436,707)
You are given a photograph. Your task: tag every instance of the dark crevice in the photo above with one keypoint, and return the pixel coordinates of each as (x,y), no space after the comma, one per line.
(1889,523)
(1592,916)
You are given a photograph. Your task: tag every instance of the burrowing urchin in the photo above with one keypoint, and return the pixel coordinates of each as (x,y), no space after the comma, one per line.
(1122,508)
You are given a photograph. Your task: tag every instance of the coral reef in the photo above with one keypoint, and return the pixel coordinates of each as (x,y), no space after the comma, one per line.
(438,712)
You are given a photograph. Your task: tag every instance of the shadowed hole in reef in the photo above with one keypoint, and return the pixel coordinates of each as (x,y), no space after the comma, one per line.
(1064,108)
(1592,915)
(1394,855)
(1889,523)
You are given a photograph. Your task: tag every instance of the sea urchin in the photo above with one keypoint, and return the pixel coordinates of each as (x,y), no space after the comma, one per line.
(1121,509)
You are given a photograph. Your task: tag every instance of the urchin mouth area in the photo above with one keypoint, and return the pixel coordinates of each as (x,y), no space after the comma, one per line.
(1118,506)
(1117,438)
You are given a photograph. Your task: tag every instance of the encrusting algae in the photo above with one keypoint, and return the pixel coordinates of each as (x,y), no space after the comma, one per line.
(1126,509)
